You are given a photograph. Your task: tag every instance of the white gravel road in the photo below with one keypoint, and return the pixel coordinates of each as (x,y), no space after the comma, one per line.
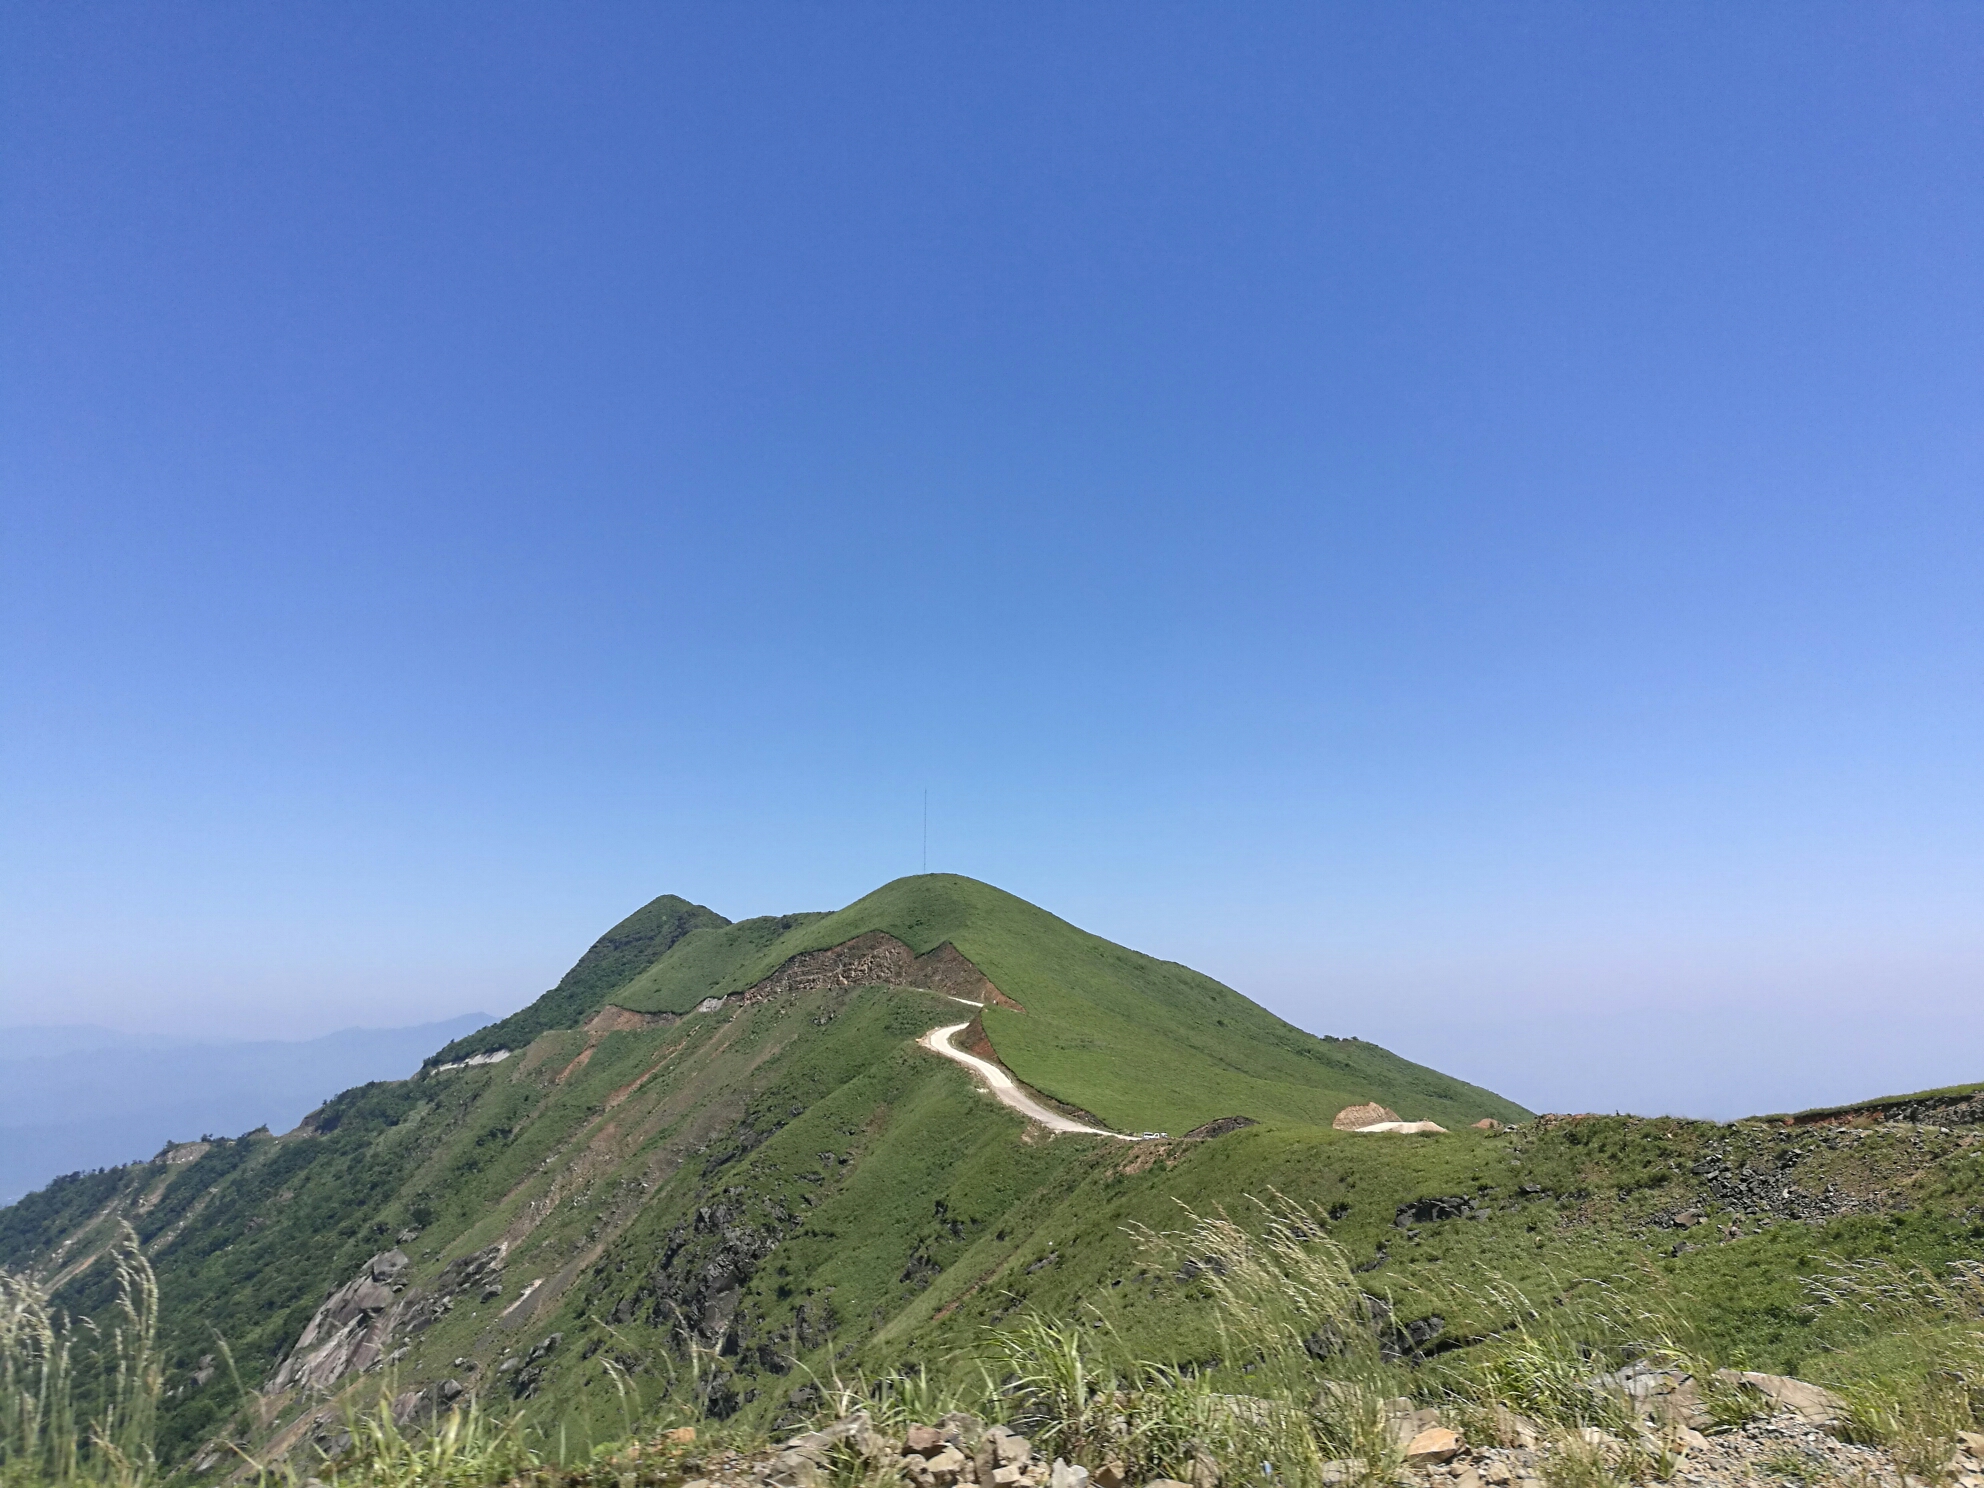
(938,1041)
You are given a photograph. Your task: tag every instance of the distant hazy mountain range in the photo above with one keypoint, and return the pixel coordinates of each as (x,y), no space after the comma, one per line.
(79,1097)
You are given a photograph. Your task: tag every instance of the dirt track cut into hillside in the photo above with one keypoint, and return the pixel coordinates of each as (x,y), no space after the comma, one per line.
(1004,1087)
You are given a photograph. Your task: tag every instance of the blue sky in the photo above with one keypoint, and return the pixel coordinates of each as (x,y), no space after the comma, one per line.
(1463,522)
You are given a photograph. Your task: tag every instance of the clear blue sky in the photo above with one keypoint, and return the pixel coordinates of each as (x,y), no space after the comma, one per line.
(1465,522)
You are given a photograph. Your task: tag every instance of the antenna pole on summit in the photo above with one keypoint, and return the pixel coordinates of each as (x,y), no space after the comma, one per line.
(926,829)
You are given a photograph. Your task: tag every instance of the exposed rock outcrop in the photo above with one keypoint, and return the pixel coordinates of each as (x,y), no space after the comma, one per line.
(615,1019)
(875,959)
(1219,1128)
(1755,1183)
(1807,1401)
(1432,1210)
(353,1330)
(528,1374)
(697,1284)
(1959,1108)
(879,959)
(1356,1118)
(350,1331)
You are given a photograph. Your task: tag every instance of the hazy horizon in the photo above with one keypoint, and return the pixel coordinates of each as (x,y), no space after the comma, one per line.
(81,1096)
(1696,1057)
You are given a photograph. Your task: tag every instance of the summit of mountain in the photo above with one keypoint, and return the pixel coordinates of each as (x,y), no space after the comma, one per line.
(1141,1043)
(622,953)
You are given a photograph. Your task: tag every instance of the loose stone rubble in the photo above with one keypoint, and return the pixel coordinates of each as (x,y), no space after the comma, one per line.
(1788,1443)
(959,1449)
(1676,1440)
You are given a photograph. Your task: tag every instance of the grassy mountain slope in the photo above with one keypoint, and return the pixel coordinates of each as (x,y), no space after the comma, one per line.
(622,953)
(1144,1044)
(708,962)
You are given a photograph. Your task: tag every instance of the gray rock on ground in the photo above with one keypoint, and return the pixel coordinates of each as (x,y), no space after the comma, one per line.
(1809,1402)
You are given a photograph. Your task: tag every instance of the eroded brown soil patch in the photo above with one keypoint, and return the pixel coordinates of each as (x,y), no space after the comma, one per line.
(974,1040)
(615,1019)
(878,959)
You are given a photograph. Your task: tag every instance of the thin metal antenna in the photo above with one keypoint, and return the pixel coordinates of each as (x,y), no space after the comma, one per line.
(926,829)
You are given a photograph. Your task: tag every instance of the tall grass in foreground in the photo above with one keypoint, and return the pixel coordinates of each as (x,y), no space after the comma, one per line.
(1284,1298)
(1324,1379)
(1071,1392)
(1313,1393)
(1543,1360)
(467,1447)
(462,1449)
(1909,1356)
(43,1440)
(1296,1323)
(1306,1387)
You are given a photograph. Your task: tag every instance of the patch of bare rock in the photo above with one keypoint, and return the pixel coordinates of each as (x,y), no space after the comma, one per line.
(1373,1117)
(1676,1441)
(877,958)
(959,1449)
(358,1323)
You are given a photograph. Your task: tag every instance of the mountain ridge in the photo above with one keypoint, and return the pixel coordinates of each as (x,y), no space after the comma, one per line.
(633,944)
(1080,1000)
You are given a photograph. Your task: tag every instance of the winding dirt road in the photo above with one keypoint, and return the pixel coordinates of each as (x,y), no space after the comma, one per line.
(938,1041)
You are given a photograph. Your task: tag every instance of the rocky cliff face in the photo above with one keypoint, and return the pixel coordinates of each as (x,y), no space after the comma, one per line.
(350,1332)
(356,1328)
(879,959)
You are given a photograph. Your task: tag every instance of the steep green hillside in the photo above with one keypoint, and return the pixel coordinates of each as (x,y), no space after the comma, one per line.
(623,952)
(1143,1043)
(708,962)
(736,1205)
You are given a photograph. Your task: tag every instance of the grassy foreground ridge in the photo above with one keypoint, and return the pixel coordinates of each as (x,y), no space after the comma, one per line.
(714,1183)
